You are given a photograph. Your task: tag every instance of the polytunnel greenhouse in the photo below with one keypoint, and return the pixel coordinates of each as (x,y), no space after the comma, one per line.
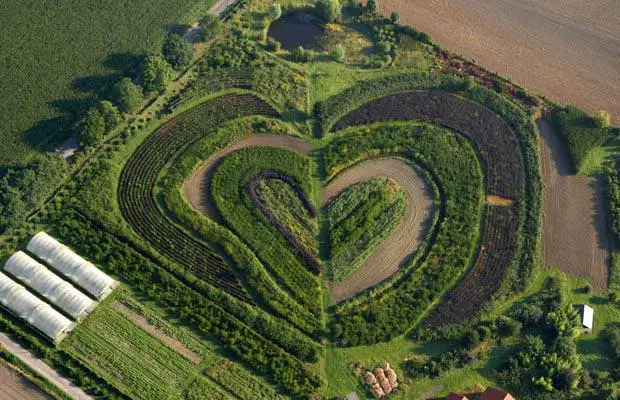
(19,301)
(49,285)
(72,266)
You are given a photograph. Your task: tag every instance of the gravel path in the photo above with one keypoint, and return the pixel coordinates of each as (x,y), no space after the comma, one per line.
(404,239)
(13,386)
(576,237)
(42,368)
(568,50)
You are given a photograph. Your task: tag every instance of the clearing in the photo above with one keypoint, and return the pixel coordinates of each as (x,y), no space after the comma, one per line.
(576,237)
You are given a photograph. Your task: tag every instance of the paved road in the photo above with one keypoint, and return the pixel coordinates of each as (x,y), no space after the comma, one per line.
(43,369)
(568,50)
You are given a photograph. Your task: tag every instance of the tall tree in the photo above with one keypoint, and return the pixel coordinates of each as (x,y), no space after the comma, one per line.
(177,51)
(127,96)
(155,74)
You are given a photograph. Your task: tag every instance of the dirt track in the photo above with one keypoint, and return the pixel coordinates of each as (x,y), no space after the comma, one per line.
(404,239)
(568,50)
(13,386)
(576,237)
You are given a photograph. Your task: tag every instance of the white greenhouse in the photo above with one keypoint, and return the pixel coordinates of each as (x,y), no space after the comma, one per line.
(49,285)
(73,267)
(19,301)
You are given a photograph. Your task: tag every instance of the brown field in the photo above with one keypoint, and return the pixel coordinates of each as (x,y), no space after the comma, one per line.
(14,386)
(576,237)
(404,239)
(567,50)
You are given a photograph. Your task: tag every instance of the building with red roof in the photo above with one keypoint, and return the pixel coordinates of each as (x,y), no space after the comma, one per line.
(454,396)
(495,394)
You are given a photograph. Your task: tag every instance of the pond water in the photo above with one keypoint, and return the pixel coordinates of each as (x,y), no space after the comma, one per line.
(298,28)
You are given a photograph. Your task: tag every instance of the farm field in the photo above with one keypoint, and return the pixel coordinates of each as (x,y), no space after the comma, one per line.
(16,387)
(308,200)
(567,50)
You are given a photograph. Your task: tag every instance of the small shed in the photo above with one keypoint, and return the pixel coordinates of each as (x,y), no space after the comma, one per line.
(496,394)
(454,396)
(586,316)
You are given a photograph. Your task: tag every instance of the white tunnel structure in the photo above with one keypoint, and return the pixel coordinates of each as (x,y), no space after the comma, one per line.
(23,304)
(72,266)
(56,290)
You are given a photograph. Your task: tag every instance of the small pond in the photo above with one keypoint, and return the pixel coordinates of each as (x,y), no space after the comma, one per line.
(298,28)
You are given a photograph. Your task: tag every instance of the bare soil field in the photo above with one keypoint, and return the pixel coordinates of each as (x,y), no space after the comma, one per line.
(13,386)
(404,239)
(576,237)
(567,50)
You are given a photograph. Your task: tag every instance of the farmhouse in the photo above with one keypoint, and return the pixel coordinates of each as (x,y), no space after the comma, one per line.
(72,266)
(454,396)
(495,394)
(586,316)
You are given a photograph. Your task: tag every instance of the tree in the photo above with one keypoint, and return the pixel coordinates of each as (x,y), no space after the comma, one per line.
(111,115)
(338,54)
(275,11)
(329,10)
(471,339)
(372,6)
(127,96)
(177,51)
(394,17)
(155,73)
(211,27)
(301,55)
(603,120)
(92,127)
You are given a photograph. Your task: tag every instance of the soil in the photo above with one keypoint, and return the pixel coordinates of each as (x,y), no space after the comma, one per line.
(404,239)
(14,386)
(576,237)
(296,29)
(153,331)
(568,50)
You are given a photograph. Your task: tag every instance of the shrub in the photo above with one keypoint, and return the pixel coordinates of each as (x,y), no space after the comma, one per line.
(127,96)
(338,54)
(329,10)
(301,55)
(111,115)
(587,288)
(92,127)
(211,27)
(155,74)
(273,45)
(394,17)
(275,11)
(507,327)
(471,339)
(603,120)
(177,51)
(371,6)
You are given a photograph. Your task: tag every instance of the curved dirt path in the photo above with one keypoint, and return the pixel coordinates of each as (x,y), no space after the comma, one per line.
(197,188)
(576,237)
(404,239)
(389,255)
(568,50)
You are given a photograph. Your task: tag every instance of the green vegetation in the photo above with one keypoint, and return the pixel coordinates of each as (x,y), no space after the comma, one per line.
(126,95)
(204,389)
(155,74)
(360,218)
(612,181)
(177,52)
(581,133)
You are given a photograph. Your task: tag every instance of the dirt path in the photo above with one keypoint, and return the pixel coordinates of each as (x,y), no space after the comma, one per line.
(197,188)
(221,6)
(568,50)
(404,239)
(576,237)
(13,386)
(43,369)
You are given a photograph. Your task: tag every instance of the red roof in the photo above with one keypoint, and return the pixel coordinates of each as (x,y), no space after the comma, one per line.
(454,396)
(494,394)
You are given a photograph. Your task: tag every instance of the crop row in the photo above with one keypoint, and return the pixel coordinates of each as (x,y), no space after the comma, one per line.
(238,381)
(139,177)
(309,259)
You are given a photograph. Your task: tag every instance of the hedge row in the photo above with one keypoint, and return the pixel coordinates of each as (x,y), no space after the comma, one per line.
(612,180)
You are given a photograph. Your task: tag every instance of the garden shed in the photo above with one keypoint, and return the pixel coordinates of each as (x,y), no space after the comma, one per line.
(586,316)
(72,266)
(49,285)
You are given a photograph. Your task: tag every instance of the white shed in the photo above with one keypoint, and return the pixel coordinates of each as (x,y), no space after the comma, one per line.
(19,301)
(586,315)
(72,266)
(49,285)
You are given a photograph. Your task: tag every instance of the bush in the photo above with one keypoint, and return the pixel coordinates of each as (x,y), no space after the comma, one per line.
(471,339)
(338,54)
(275,11)
(329,10)
(111,115)
(372,6)
(603,120)
(177,51)
(301,55)
(92,127)
(127,96)
(394,17)
(211,27)
(155,74)
(273,45)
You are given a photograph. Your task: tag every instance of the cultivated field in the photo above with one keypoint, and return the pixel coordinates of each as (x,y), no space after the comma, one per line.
(13,386)
(403,241)
(576,237)
(568,50)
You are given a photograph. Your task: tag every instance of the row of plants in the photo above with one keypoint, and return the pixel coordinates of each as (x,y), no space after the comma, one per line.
(268,294)
(235,172)
(360,218)
(309,258)
(207,318)
(203,388)
(520,127)
(448,249)
(612,180)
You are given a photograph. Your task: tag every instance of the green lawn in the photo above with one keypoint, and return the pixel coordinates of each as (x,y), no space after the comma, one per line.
(55,55)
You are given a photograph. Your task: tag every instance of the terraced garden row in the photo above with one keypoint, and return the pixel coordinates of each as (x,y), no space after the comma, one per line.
(140,174)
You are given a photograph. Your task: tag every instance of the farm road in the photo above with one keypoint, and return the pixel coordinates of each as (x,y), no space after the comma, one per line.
(221,6)
(43,369)
(389,255)
(13,386)
(568,50)
(576,237)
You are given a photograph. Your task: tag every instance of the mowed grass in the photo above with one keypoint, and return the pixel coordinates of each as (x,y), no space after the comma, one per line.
(128,357)
(56,55)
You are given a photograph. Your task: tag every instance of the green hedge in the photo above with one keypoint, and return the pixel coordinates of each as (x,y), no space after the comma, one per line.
(612,180)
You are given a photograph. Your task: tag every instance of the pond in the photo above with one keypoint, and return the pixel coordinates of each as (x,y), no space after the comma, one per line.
(298,28)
